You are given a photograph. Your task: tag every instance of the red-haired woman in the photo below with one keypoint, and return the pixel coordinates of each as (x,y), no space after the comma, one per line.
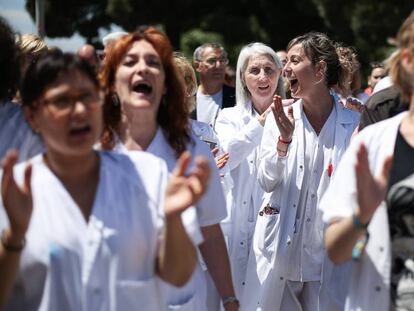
(145,109)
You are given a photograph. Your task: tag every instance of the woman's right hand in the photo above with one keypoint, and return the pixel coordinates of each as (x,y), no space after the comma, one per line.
(285,123)
(17,200)
(371,190)
(221,160)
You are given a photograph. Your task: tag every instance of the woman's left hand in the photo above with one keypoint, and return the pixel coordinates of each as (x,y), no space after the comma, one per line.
(185,191)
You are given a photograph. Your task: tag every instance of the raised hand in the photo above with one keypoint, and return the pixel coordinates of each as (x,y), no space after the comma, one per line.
(371,190)
(285,123)
(185,191)
(353,104)
(17,200)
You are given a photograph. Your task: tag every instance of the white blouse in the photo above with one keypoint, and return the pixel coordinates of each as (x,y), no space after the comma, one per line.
(107,263)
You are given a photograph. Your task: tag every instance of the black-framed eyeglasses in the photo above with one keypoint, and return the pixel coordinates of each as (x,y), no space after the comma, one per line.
(65,103)
(213,60)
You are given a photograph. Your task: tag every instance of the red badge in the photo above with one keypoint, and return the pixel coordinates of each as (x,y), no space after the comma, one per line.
(330,169)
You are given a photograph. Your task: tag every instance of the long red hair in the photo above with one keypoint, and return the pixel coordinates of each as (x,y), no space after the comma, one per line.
(173,112)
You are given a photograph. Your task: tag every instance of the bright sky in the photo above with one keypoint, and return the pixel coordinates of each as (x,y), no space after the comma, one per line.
(15,13)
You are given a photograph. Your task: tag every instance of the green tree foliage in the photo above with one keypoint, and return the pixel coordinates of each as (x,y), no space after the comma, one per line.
(365,24)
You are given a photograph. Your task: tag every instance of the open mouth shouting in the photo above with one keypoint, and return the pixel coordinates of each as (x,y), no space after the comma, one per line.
(293,85)
(80,132)
(142,88)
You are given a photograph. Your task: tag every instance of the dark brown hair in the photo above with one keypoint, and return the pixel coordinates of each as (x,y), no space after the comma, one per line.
(318,47)
(172,116)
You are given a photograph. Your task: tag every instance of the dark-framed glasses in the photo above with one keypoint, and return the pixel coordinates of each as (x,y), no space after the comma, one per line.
(213,60)
(66,103)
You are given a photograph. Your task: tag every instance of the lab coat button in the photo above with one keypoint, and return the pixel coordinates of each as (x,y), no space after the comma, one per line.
(251,161)
(308,219)
(301,167)
(294,205)
(261,213)
(378,288)
(312,195)
(243,283)
(288,243)
(244,202)
(241,243)
(281,278)
(97,291)
(381,249)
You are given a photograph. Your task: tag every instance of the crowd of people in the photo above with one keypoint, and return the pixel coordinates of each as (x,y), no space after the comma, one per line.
(129,184)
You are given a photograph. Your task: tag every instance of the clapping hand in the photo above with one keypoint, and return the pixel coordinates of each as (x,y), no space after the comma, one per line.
(184,191)
(371,190)
(222,159)
(17,200)
(285,123)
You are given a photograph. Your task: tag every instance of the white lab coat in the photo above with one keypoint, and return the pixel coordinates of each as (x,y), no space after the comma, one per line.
(240,133)
(370,281)
(210,210)
(107,263)
(282,177)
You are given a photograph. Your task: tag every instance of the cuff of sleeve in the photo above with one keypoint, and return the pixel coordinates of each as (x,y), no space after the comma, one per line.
(275,165)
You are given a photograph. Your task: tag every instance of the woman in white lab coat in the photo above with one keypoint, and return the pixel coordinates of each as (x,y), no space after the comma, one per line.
(82,229)
(299,153)
(369,207)
(145,110)
(240,129)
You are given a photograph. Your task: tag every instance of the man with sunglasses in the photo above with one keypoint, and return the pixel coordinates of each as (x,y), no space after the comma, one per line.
(210,60)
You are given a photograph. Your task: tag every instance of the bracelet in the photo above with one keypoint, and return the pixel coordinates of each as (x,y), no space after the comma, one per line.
(11,248)
(229,299)
(284,141)
(356,222)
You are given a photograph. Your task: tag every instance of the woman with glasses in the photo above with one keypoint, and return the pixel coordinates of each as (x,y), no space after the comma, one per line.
(240,129)
(300,150)
(145,109)
(83,229)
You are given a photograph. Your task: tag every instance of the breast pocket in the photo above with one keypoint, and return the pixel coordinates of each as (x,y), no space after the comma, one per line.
(138,295)
(266,230)
(189,305)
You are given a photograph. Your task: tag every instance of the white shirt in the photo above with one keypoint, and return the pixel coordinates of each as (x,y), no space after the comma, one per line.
(307,244)
(282,177)
(107,263)
(370,281)
(240,134)
(16,134)
(208,107)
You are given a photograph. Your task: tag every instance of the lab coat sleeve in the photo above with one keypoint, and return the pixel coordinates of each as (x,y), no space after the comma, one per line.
(211,208)
(271,165)
(340,199)
(236,138)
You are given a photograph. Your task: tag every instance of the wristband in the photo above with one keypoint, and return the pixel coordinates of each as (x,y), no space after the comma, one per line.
(229,299)
(284,141)
(11,248)
(358,224)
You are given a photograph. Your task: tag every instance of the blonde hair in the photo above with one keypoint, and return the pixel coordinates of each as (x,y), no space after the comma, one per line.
(31,44)
(187,72)
(350,65)
(405,40)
